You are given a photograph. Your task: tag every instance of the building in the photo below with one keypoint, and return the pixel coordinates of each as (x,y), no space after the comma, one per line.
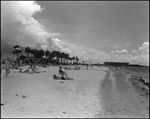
(116,63)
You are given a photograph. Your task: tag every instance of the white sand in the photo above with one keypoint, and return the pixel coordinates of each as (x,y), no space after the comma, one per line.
(46,97)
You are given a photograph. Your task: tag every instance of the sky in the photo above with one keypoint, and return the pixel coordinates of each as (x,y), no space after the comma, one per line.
(98,31)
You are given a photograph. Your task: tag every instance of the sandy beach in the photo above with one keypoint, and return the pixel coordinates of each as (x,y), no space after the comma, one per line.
(98,92)
(74,59)
(46,97)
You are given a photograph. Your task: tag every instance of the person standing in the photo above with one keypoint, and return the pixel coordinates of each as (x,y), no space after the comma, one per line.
(87,64)
(1,63)
(7,67)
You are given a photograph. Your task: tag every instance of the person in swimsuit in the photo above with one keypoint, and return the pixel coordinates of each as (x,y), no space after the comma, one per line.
(1,63)
(7,67)
(62,73)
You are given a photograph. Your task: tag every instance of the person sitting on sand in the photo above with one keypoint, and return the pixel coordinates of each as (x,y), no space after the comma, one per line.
(20,70)
(77,68)
(67,68)
(62,73)
(29,69)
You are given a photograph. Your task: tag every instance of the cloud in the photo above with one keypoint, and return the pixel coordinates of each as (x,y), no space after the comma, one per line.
(19,27)
(139,56)
(119,51)
(116,46)
(127,44)
(143,49)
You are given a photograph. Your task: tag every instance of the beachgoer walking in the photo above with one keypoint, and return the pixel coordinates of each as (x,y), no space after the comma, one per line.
(7,67)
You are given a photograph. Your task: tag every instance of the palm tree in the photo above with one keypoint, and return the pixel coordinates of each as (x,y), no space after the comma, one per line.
(67,57)
(70,59)
(47,53)
(36,53)
(77,59)
(16,46)
(17,50)
(57,56)
(73,58)
(27,50)
(22,57)
(52,55)
(41,53)
(63,57)
(32,52)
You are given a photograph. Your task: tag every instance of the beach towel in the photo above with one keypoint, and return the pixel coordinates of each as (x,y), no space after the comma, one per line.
(61,78)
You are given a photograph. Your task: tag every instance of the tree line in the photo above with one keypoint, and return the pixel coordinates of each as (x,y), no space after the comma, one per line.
(60,57)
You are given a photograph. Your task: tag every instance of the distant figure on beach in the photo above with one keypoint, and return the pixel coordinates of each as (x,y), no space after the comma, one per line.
(30,69)
(87,65)
(1,63)
(90,64)
(62,73)
(7,67)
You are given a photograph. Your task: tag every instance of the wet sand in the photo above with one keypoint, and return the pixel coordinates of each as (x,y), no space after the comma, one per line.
(121,99)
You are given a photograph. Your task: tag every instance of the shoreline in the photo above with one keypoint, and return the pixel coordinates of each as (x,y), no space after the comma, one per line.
(120,97)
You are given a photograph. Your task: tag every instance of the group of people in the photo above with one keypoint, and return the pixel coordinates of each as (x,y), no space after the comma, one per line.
(8,65)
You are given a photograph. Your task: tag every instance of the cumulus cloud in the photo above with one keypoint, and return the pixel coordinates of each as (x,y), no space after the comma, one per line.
(119,51)
(143,49)
(18,27)
(139,56)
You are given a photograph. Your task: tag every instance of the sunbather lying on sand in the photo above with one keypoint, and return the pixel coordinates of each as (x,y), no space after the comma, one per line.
(77,68)
(35,72)
(29,70)
(67,68)
(59,78)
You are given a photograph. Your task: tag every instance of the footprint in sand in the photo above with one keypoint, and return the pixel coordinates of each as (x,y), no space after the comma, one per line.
(24,96)
(49,111)
(61,82)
